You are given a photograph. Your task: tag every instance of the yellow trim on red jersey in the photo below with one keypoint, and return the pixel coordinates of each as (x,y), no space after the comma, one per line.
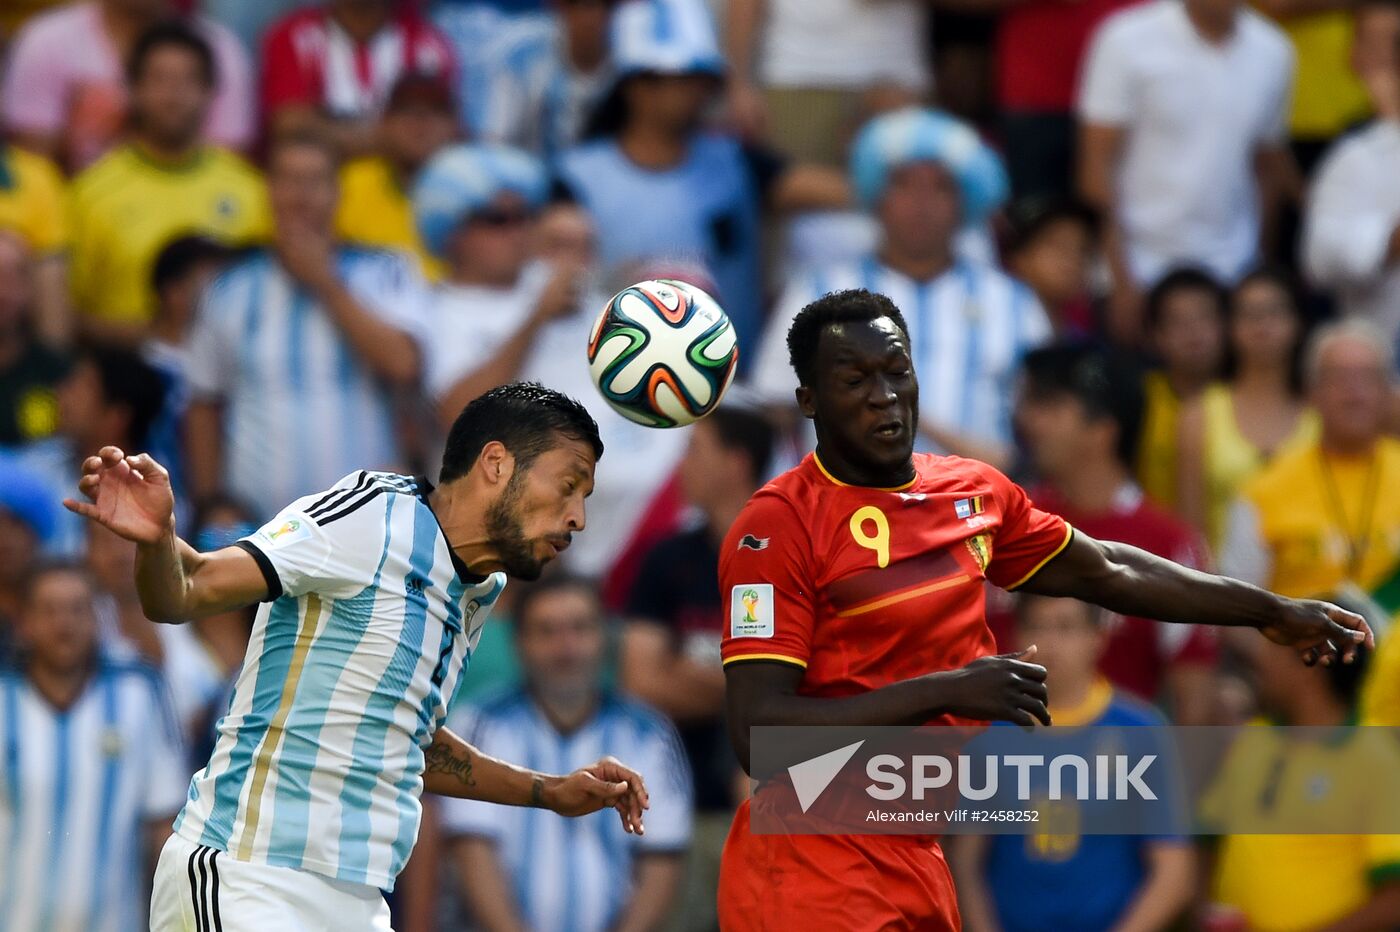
(904,596)
(780,657)
(874,488)
(1069,535)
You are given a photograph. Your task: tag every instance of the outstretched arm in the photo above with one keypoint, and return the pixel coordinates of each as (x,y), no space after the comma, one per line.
(452,767)
(1130,581)
(131,495)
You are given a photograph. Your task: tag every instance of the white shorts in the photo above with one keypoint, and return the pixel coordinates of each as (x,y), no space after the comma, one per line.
(199,889)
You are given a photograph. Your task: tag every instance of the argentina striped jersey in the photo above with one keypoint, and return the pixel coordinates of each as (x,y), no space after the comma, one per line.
(300,408)
(78,788)
(968,329)
(318,764)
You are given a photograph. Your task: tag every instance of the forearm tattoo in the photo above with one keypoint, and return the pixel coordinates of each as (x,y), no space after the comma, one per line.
(537,792)
(439,758)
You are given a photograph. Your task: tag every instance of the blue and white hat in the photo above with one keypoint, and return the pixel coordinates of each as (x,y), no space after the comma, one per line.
(665,37)
(461,180)
(895,139)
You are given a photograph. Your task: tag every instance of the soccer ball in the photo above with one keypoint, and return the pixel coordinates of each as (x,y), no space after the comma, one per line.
(662,353)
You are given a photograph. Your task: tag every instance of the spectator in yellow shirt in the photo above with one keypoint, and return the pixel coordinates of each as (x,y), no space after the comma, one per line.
(376,190)
(31,205)
(1273,781)
(167,181)
(1326,515)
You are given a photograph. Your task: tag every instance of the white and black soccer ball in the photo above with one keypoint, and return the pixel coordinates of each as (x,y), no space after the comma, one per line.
(662,353)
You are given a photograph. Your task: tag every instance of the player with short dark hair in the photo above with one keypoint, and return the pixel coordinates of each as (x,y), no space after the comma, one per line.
(866,606)
(374,593)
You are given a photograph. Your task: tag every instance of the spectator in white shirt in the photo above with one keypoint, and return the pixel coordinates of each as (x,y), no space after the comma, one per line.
(926,176)
(807,73)
(1351,229)
(1183,113)
(503,315)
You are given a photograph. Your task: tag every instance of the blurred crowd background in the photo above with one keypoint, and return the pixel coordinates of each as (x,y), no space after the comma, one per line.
(1149,251)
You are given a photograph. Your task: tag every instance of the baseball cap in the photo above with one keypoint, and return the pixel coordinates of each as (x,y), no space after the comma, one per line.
(669,37)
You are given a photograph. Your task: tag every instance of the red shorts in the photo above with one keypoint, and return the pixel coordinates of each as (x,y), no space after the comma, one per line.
(854,883)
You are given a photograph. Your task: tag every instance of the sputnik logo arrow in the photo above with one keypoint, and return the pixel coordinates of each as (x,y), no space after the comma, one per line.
(811,777)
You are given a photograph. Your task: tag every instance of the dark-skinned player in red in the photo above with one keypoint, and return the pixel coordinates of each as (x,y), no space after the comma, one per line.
(854,586)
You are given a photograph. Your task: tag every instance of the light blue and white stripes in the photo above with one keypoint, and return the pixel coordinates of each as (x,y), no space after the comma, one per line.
(573,875)
(300,408)
(968,330)
(78,790)
(318,764)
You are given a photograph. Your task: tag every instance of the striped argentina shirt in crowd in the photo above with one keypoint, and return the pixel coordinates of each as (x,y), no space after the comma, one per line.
(356,653)
(77,787)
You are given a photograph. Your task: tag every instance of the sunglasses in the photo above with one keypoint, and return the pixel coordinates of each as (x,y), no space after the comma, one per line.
(502,218)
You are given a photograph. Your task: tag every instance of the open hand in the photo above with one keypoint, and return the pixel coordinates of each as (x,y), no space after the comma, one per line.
(1319,631)
(608,783)
(131,495)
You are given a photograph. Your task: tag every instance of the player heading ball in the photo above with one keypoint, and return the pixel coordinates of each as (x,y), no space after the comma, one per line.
(864,604)
(374,593)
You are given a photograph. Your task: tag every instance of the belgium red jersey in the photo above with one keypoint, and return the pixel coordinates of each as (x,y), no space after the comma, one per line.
(863,587)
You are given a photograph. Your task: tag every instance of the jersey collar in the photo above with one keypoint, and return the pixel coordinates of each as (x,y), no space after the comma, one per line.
(424,488)
(894,488)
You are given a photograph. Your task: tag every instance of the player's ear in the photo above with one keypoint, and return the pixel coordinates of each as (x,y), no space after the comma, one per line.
(805,403)
(496,463)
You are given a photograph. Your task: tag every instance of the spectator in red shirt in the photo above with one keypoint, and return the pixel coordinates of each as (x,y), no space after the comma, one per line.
(1040,46)
(1079,414)
(332,66)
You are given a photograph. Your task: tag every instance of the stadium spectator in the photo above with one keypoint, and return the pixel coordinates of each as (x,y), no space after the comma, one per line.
(670,645)
(181,273)
(1183,119)
(1351,233)
(167,180)
(1297,882)
(927,176)
(330,67)
(94,770)
(1051,249)
(530,81)
(1039,52)
(521,869)
(662,188)
(292,339)
(30,370)
(107,396)
(376,207)
(1186,313)
(32,206)
(1327,513)
(502,315)
(806,74)
(1079,414)
(65,94)
(1329,96)
(27,515)
(1232,429)
(1070,880)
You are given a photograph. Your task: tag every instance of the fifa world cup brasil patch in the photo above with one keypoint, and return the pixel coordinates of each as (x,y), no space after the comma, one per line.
(751,610)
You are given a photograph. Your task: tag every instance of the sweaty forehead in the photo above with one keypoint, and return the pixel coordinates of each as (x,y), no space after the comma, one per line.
(854,341)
